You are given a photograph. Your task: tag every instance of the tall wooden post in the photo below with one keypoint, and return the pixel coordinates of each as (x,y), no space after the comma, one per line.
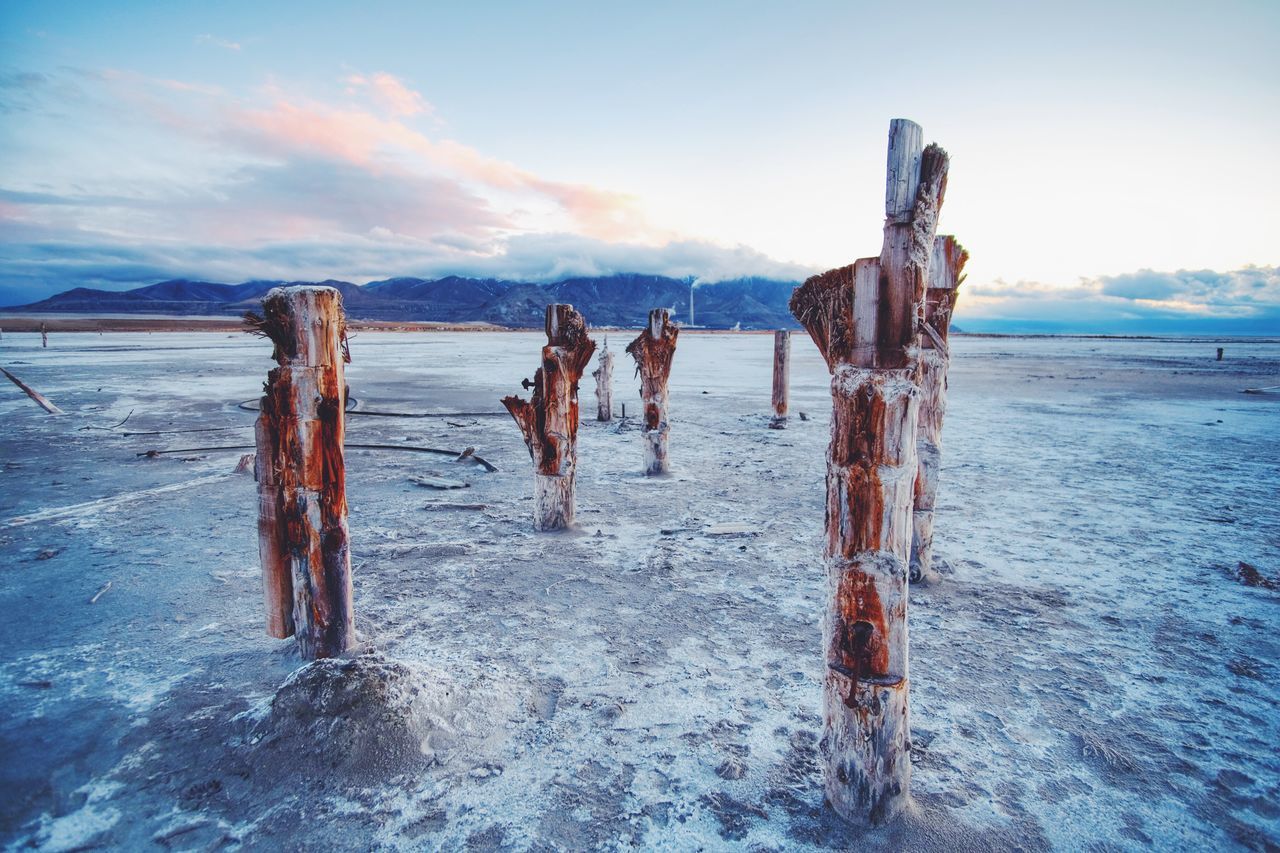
(302,498)
(653,351)
(945,275)
(865,320)
(604,384)
(44,336)
(781,378)
(549,421)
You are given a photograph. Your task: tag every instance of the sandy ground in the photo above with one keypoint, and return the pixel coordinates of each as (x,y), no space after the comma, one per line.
(1092,674)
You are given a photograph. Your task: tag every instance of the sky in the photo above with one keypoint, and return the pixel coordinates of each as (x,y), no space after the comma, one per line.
(1113,164)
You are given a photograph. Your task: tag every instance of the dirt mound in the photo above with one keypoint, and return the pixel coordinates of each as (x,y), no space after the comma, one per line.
(364,717)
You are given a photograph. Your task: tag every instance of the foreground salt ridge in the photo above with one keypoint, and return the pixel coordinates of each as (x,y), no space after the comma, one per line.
(1085,630)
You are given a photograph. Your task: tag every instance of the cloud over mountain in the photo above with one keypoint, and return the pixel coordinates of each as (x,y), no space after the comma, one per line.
(1245,301)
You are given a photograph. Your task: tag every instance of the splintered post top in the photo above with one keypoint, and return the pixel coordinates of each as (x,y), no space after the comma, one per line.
(306,324)
(553,319)
(657,319)
(906,143)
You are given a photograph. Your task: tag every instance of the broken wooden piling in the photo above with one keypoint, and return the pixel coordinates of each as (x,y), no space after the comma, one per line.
(865,320)
(781,378)
(653,351)
(945,275)
(604,384)
(549,420)
(44,336)
(303,539)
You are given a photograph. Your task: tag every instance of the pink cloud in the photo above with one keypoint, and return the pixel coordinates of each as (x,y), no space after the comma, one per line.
(279,128)
(362,138)
(391,94)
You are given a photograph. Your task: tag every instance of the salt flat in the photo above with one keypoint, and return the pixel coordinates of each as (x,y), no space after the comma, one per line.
(1092,673)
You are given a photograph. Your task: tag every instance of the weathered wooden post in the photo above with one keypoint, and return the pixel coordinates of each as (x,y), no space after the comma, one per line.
(44,336)
(945,268)
(301,472)
(1219,353)
(781,378)
(549,421)
(604,384)
(865,320)
(653,351)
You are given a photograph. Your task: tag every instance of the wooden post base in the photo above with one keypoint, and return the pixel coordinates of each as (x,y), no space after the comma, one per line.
(655,450)
(867,748)
(553,501)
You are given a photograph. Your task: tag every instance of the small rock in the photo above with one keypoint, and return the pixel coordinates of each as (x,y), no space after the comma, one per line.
(732,767)
(48,553)
(1250,576)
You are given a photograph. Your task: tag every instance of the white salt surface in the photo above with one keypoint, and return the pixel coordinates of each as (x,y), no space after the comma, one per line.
(1091,675)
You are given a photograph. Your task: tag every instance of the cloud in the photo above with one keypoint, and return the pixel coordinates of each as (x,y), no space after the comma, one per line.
(201,163)
(1241,292)
(39,264)
(390,93)
(358,136)
(1246,300)
(206,38)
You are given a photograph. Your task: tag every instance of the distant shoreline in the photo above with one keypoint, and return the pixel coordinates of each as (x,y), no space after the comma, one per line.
(89,323)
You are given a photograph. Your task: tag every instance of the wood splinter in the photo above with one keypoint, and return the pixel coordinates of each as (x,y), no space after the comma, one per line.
(549,420)
(653,351)
(865,320)
(945,276)
(303,539)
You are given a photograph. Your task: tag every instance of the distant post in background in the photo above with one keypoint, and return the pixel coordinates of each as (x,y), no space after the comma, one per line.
(865,320)
(44,336)
(781,378)
(303,539)
(604,384)
(945,276)
(1219,353)
(549,420)
(653,351)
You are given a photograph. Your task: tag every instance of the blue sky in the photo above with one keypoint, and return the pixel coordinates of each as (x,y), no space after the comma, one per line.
(1093,146)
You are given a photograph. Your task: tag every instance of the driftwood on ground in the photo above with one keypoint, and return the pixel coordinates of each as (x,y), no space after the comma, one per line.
(39,398)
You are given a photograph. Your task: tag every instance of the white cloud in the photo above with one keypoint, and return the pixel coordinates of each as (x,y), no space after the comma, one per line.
(206,38)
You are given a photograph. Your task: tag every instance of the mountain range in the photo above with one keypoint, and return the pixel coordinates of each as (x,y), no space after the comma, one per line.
(623,299)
